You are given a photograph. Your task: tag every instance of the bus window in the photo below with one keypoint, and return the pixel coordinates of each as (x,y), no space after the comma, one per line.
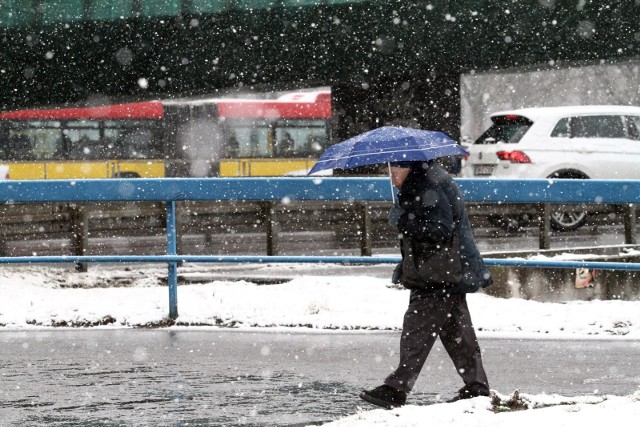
(285,144)
(231,145)
(301,138)
(20,146)
(254,139)
(131,139)
(30,141)
(84,141)
(4,137)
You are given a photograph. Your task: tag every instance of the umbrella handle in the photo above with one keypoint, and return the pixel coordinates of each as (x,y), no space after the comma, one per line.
(393,195)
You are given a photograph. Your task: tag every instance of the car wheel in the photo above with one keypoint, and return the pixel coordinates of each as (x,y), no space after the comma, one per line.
(563,220)
(567,220)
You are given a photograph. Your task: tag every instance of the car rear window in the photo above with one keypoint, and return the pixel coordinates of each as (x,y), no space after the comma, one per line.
(507,129)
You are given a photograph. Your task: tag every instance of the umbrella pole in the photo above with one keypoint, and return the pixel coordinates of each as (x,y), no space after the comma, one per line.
(393,196)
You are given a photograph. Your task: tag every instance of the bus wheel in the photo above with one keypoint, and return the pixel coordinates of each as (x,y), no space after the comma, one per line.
(126,175)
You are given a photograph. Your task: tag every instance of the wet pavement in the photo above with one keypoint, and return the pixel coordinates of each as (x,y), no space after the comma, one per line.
(219,377)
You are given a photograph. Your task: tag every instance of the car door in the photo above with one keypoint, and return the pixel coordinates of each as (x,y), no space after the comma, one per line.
(605,146)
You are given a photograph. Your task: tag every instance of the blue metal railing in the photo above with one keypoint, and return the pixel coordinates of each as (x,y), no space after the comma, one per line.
(306,189)
(170,190)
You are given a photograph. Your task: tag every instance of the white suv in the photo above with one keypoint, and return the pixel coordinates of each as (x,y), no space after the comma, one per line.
(597,142)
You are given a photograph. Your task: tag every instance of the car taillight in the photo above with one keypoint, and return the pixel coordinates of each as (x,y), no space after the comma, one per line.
(513,156)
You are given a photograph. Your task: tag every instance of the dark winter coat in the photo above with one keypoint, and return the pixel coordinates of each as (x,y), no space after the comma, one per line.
(433,210)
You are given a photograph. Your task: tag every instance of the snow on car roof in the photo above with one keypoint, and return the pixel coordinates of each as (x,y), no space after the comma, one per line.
(538,112)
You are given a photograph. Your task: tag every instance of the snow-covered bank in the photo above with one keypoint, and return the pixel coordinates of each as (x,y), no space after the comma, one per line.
(507,411)
(45,297)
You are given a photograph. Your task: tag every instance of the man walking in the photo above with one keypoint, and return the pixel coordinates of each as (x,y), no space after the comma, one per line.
(441,263)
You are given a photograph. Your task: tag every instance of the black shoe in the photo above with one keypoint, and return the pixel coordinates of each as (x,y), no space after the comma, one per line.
(469,393)
(385,396)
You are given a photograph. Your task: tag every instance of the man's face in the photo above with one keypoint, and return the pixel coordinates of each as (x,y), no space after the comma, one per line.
(398,175)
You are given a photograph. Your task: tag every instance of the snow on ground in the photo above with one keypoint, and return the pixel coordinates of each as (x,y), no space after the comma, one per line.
(55,296)
(41,297)
(505,411)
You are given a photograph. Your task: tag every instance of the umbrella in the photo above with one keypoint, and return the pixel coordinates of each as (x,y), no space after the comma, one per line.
(388,144)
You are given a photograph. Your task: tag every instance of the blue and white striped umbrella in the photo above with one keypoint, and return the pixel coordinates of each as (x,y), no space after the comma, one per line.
(386,145)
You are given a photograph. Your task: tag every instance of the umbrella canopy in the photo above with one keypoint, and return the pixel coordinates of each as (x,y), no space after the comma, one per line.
(388,144)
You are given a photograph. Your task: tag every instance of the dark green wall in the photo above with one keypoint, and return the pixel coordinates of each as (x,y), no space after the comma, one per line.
(380,55)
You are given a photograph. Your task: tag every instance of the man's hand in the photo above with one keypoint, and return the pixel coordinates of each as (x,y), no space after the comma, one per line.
(394,215)
(396,277)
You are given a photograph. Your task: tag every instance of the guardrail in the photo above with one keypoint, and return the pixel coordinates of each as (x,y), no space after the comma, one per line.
(171,190)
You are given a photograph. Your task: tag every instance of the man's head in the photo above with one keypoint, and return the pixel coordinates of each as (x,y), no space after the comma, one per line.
(398,171)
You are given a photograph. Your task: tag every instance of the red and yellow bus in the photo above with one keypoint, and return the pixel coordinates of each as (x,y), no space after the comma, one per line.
(169,138)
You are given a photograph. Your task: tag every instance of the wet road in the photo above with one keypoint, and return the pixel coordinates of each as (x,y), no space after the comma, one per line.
(264,378)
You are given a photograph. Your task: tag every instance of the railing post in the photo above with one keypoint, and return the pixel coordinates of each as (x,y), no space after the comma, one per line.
(271,224)
(173,266)
(630,224)
(364,212)
(80,234)
(179,226)
(544,215)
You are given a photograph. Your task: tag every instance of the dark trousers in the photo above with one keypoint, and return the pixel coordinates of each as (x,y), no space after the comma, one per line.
(447,317)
